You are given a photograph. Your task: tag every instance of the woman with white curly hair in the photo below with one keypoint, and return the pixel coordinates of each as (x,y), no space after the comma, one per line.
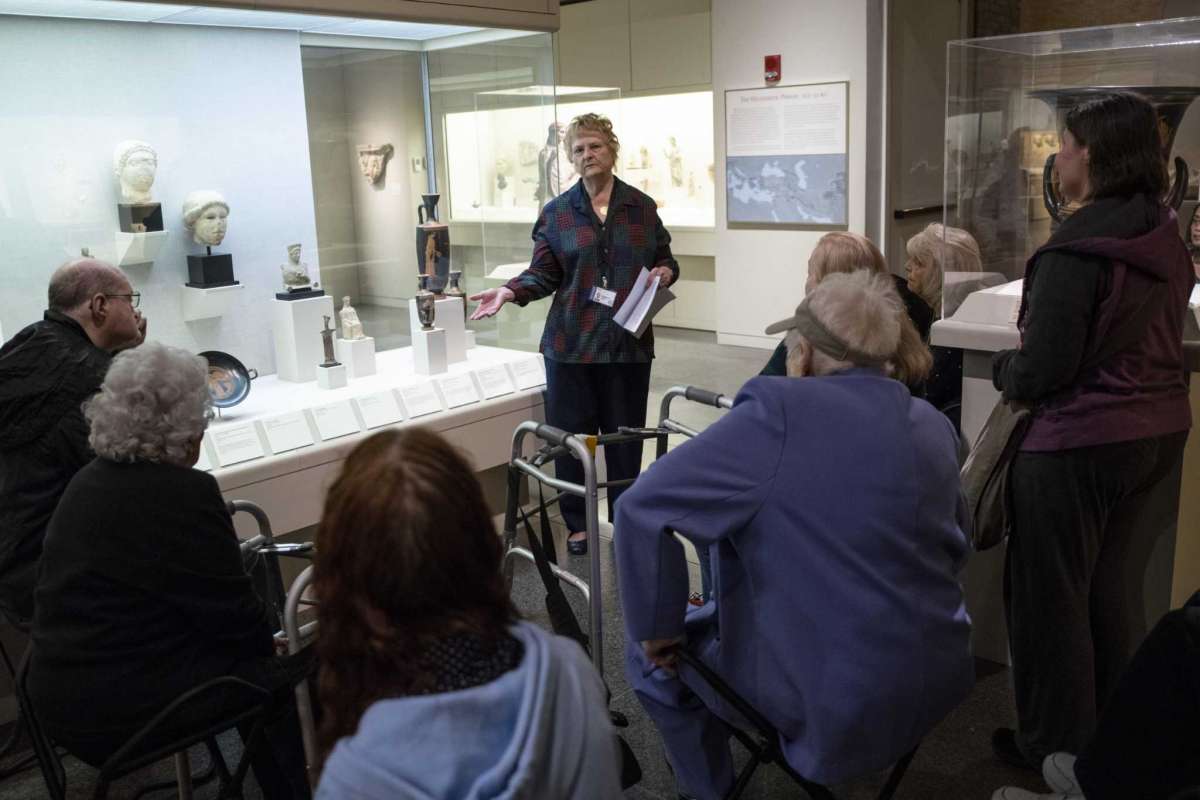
(142,594)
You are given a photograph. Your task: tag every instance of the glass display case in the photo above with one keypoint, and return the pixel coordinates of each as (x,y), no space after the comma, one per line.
(673,165)
(506,157)
(1006,100)
(308,135)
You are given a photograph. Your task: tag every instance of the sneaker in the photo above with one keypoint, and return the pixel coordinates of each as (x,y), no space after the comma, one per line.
(1004,747)
(1058,770)
(577,547)
(694,599)
(1013,793)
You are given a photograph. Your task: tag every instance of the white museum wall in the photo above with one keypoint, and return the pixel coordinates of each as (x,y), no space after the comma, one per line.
(325,104)
(383,106)
(760,273)
(225,110)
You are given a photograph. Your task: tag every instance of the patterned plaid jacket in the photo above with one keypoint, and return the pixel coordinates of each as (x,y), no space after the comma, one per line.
(571,253)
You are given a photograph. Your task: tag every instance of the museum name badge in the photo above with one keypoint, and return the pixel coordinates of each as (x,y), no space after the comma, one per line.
(605,297)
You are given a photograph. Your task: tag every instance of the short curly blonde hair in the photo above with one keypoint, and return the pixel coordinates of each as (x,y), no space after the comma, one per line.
(153,405)
(594,123)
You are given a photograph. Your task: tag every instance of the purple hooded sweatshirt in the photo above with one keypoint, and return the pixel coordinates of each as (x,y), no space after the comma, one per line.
(1142,390)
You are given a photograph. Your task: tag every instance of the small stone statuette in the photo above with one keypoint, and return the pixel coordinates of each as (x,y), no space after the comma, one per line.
(351,326)
(206,215)
(425,303)
(134,165)
(372,160)
(295,274)
(454,290)
(674,161)
(327,341)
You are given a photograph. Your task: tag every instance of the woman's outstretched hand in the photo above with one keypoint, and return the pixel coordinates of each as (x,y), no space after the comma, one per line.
(491,301)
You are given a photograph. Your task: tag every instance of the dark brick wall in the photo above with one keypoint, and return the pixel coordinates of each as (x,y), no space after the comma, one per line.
(997,17)
(1001,17)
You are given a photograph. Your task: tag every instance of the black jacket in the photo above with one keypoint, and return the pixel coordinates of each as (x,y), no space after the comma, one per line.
(46,372)
(141,596)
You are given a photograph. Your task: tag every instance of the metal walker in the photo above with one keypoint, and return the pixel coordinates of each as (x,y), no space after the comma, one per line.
(583,447)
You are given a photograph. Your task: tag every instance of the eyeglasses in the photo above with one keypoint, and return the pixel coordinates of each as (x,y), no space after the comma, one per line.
(134,298)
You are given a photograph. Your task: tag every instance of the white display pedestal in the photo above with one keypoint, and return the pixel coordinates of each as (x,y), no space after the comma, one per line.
(331,377)
(448,316)
(470,338)
(138,248)
(429,351)
(357,354)
(199,303)
(297,325)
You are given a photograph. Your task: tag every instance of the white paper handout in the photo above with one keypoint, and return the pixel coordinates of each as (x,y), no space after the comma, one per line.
(335,420)
(642,303)
(236,443)
(287,432)
(379,409)
(495,381)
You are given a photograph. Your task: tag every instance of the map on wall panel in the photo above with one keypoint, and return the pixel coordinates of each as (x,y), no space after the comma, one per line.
(785,155)
(795,190)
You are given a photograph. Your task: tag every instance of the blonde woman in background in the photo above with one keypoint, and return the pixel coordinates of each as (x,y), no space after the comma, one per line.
(931,254)
(842,252)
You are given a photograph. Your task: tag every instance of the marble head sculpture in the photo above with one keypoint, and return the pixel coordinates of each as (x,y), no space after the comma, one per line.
(134,166)
(372,160)
(205,213)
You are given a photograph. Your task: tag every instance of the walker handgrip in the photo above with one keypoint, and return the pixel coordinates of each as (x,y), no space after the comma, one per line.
(703,396)
(552,434)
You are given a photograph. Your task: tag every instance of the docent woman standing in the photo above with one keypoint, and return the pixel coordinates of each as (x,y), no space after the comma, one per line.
(589,246)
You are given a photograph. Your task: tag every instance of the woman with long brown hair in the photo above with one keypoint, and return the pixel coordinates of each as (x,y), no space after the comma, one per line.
(430,686)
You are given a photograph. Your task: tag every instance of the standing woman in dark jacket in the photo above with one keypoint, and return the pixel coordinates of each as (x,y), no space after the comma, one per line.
(1107,430)
(589,247)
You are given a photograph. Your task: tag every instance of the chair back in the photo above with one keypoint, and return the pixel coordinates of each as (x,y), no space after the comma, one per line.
(43,748)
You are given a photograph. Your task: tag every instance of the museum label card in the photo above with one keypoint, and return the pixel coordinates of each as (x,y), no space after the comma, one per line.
(202,463)
(379,409)
(335,420)
(236,443)
(287,432)
(495,381)
(459,390)
(420,399)
(529,373)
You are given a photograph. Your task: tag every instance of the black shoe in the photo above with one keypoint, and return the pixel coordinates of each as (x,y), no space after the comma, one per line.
(1004,747)
(577,547)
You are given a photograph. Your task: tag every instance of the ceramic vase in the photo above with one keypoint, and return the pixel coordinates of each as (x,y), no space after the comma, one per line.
(455,290)
(433,244)
(425,303)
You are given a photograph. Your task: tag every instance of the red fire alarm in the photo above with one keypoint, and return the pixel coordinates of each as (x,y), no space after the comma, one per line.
(772,68)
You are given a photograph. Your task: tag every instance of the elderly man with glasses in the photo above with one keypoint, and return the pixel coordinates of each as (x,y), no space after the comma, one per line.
(46,372)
